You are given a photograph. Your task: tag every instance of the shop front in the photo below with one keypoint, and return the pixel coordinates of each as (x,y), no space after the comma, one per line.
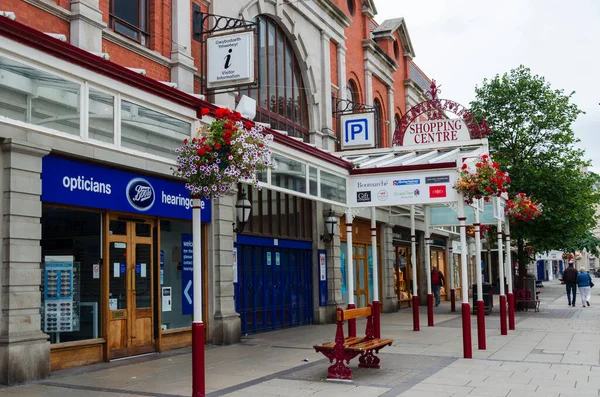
(403,266)
(438,257)
(116,262)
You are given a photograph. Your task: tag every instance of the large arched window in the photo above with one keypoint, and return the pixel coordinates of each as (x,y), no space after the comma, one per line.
(280,97)
(378,122)
(351,91)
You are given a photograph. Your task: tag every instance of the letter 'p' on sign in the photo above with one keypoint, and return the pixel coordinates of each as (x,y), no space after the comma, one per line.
(358,130)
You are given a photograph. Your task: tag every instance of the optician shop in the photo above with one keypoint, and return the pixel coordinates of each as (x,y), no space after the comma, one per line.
(116,262)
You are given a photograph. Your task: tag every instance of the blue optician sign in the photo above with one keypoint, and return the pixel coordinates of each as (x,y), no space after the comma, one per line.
(358,130)
(78,183)
(187,273)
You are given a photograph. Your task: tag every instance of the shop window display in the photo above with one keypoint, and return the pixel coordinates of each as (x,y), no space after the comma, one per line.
(402,275)
(172,235)
(71,269)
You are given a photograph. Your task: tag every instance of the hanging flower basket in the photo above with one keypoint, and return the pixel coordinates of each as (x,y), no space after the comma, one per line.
(486,181)
(483,230)
(222,154)
(522,208)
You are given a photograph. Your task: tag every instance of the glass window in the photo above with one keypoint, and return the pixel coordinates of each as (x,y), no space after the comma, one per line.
(333,187)
(71,251)
(171,232)
(378,121)
(130,18)
(312,174)
(281,99)
(150,131)
(101,116)
(289,174)
(37,97)
(351,92)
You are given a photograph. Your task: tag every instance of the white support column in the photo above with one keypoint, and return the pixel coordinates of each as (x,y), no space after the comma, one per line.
(341,67)
(464,281)
(182,71)
(349,258)
(368,87)
(500,259)
(391,124)
(478,256)
(375,258)
(413,250)
(197,260)
(428,250)
(508,268)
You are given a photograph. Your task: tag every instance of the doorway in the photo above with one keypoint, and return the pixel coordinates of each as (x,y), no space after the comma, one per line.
(361,274)
(130,280)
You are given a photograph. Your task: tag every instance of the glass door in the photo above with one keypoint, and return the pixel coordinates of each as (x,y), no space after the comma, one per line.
(131,319)
(361,274)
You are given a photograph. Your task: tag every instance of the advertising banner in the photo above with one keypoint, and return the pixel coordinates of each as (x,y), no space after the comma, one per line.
(82,184)
(187,273)
(423,187)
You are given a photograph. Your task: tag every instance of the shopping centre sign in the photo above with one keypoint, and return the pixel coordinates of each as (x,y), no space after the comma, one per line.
(436,131)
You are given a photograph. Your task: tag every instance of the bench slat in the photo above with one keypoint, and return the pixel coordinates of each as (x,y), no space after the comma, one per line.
(370,344)
(354,313)
(351,340)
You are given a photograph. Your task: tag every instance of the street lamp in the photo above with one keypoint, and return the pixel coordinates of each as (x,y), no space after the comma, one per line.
(330,223)
(243,208)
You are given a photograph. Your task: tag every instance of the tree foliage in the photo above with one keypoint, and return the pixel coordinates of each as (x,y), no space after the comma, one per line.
(533,140)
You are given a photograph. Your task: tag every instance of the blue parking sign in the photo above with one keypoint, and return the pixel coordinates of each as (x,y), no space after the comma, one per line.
(358,130)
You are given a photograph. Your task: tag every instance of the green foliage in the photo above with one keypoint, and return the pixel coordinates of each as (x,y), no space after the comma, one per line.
(533,141)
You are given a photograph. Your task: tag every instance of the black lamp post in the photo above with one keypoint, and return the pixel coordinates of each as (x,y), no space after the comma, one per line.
(243,208)
(330,223)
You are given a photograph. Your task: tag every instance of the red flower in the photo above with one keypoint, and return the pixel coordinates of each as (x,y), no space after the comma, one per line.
(222,113)
(204,111)
(478,165)
(464,166)
(185,141)
(495,164)
(484,156)
(217,146)
(248,124)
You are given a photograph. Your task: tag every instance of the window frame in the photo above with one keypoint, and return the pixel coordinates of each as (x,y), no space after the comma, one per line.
(144,17)
(378,122)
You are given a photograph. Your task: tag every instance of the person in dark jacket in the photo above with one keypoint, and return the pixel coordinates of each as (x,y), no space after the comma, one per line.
(437,282)
(570,279)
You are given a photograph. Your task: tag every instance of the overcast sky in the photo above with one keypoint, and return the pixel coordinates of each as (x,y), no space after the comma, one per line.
(461,42)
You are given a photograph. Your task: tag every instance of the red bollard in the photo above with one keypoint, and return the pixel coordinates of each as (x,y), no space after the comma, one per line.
(198,372)
(352,322)
(466,325)
(481,325)
(511,311)
(503,330)
(453,300)
(377,319)
(430,310)
(415,307)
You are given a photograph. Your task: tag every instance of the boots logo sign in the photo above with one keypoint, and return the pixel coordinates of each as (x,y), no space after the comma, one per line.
(140,194)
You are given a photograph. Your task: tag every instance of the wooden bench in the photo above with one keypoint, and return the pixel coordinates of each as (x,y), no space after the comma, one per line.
(345,349)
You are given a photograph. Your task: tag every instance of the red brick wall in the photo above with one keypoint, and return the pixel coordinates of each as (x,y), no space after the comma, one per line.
(196,44)
(399,76)
(36,18)
(334,63)
(123,57)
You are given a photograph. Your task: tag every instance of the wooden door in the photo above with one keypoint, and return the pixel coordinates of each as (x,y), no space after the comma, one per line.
(131,296)
(361,274)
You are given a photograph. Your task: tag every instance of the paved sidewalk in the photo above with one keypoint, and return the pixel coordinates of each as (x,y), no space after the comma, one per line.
(551,353)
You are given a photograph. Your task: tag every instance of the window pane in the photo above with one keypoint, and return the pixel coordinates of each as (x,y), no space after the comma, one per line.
(271,105)
(127,10)
(333,187)
(73,234)
(126,31)
(150,131)
(101,116)
(289,174)
(171,232)
(31,95)
(143,284)
(274,213)
(280,76)
(312,173)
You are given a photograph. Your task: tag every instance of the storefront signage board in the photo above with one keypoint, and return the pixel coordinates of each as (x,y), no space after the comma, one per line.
(443,132)
(358,130)
(405,188)
(231,59)
(187,273)
(82,184)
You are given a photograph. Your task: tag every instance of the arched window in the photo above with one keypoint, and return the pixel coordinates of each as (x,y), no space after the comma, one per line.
(351,91)
(280,97)
(378,121)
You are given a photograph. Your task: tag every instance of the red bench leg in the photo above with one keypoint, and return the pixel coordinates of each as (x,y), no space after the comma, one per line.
(368,360)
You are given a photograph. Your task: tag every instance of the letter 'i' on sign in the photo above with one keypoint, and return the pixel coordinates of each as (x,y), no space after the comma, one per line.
(358,130)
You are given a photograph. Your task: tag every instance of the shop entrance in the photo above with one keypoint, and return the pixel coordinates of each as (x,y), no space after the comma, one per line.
(131,297)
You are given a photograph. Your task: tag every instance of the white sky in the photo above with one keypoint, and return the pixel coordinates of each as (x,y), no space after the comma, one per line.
(461,42)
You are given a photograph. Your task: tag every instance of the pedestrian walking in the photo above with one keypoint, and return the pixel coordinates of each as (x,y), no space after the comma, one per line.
(584,282)
(437,282)
(570,280)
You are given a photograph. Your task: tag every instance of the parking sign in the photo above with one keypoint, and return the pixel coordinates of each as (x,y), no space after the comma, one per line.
(358,130)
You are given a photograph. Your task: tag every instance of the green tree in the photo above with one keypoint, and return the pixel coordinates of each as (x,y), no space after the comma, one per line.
(533,140)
